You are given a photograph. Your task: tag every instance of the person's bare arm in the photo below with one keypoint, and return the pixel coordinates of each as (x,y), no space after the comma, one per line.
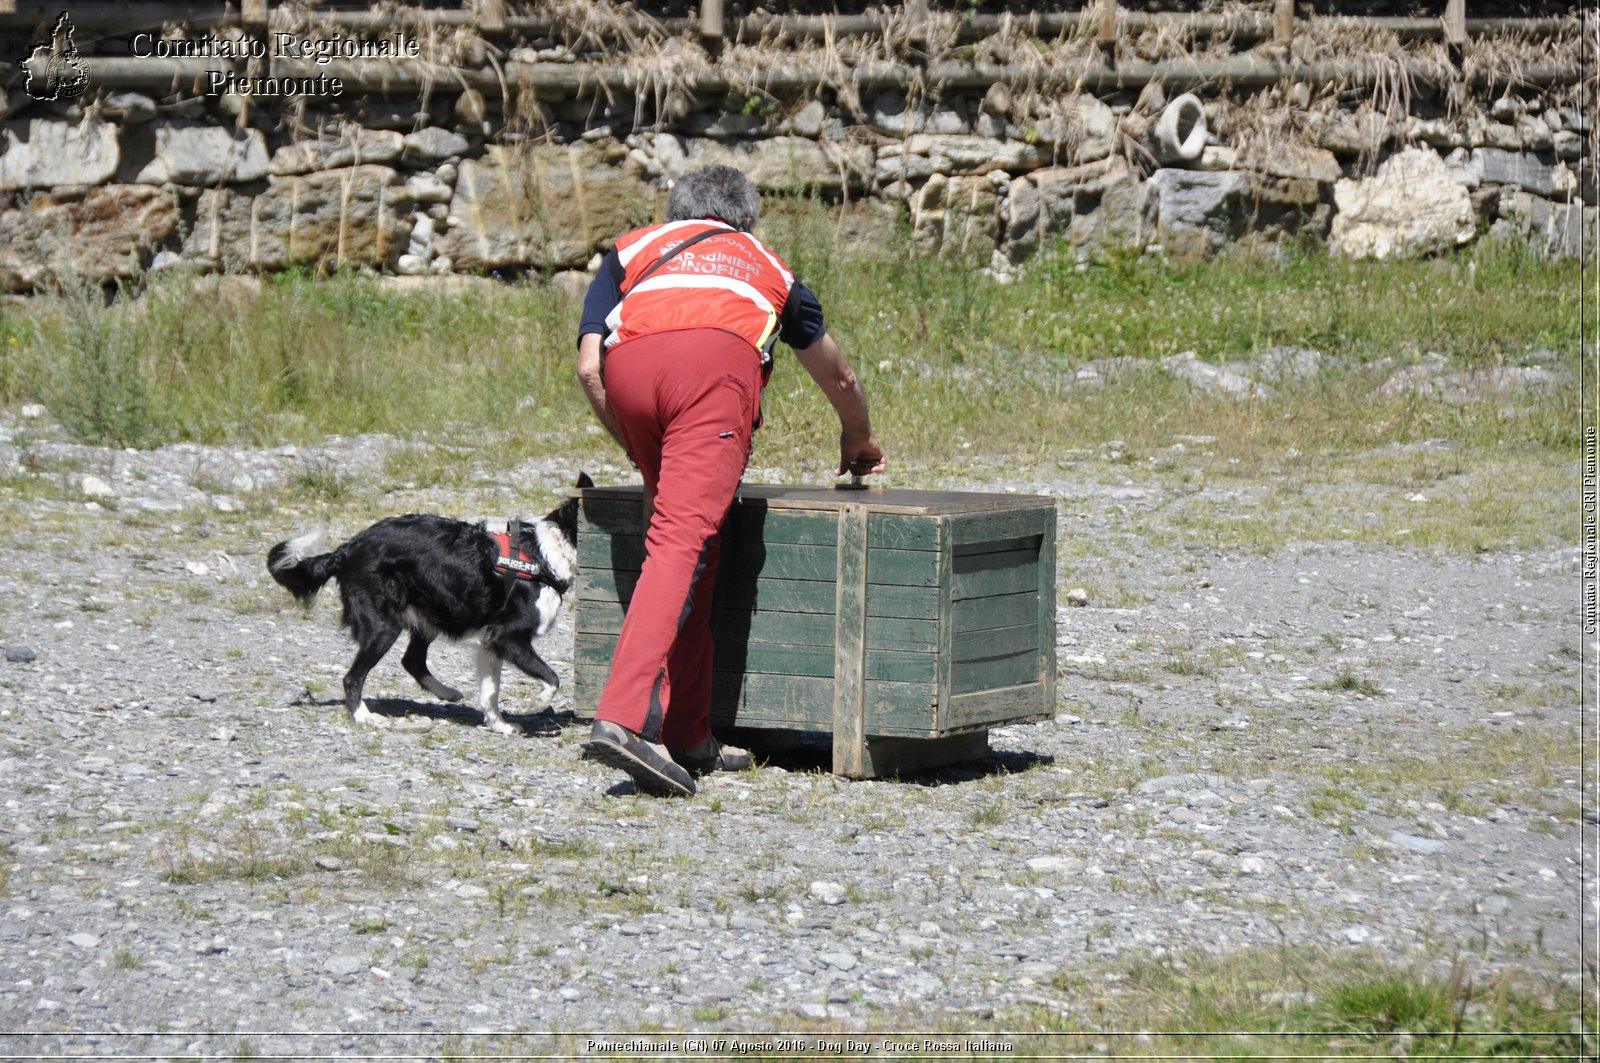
(859,450)
(594,387)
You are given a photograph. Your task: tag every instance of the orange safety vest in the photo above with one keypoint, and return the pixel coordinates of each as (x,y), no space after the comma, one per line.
(729,281)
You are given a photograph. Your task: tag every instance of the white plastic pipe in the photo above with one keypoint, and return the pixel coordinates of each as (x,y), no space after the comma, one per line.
(1180,133)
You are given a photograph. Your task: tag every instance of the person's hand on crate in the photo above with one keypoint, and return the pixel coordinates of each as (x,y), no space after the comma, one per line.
(860,455)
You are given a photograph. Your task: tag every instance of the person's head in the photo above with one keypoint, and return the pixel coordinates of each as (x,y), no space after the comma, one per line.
(719,192)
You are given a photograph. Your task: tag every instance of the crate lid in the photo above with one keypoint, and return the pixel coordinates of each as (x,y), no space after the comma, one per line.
(877,499)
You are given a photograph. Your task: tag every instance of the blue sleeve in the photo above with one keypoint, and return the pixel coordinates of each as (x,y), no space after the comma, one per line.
(605,292)
(800,325)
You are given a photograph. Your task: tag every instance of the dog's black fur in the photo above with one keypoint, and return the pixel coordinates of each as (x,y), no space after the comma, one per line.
(436,576)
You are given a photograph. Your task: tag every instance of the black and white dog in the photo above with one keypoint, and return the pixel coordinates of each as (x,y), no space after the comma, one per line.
(436,576)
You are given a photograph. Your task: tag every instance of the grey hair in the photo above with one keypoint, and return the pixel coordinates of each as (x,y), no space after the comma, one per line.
(719,192)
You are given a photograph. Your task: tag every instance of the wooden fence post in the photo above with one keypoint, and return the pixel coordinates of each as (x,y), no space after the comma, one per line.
(917,19)
(1455,23)
(711,21)
(1455,34)
(492,16)
(1106,28)
(1283,21)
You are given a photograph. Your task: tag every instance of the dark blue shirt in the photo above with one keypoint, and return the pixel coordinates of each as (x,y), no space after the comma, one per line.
(799,324)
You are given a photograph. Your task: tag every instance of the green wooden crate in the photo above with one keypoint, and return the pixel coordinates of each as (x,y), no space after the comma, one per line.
(906,623)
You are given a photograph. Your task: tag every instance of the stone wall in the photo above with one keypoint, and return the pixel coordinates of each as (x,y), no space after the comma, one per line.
(115,182)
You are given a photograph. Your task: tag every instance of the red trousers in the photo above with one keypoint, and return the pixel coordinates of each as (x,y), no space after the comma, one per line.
(686,401)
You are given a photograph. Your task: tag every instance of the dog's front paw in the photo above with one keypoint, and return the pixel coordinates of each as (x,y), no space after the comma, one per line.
(366,716)
(544,697)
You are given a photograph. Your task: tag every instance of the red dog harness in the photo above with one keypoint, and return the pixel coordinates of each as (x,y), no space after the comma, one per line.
(513,559)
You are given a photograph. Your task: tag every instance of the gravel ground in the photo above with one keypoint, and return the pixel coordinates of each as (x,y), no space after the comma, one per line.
(1334,746)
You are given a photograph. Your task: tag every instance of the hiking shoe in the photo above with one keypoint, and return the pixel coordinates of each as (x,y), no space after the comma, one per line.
(710,756)
(646,763)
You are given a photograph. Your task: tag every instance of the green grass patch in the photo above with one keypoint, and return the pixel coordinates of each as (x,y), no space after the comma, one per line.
(1313,1004)
(1515,497)
(1477,763)
(562,849)
(1261,1005)
(1348,682)
(966,375)
(948,356)
(247,856)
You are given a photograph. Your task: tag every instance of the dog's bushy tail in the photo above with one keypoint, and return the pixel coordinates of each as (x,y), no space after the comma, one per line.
(303,564)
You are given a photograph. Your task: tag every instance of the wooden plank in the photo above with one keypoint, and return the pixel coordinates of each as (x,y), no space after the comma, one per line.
(771,702)
(914,602)
(1009,524)
(888,499)
(1045,668)
(916,15)
(609,517)
(1106,24)
(901,500)
(901,633)
(782,595)
(745,556)
(587,683)
(599,585)
(778,526)
(901,756)
(737,625)
(995,642)
(1455,22)
(1240,25)
(593,651)
(1027,701)
(560,80)
(603,503)
(610,551)
(1283,21)
(849,692)
(777,595)
(903,709)
(740,558)
(999,546)
(773,659)
(996,610)
(712,26)
(902,568)
(902,667)
(492,16)
(988,574)
(786,562)
(988,561)
(896,531)
(597,617)
(943,678)
(988,672)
